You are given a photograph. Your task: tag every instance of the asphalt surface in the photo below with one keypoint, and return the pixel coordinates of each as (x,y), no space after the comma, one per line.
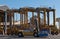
(30,37)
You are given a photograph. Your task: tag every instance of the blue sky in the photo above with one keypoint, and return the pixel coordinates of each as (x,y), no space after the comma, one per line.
(32,3)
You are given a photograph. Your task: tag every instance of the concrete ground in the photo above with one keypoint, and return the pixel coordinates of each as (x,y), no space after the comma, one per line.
(30,37)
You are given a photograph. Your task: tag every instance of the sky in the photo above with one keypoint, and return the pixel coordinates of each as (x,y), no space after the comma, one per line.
(33,3)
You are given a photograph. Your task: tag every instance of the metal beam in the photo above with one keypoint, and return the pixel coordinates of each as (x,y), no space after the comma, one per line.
(38,14)
(44,17)
(5,23)
(48,18)
(26,19)
(21,18)
(11,22)
(38,18)
(13,19)
(54,17)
